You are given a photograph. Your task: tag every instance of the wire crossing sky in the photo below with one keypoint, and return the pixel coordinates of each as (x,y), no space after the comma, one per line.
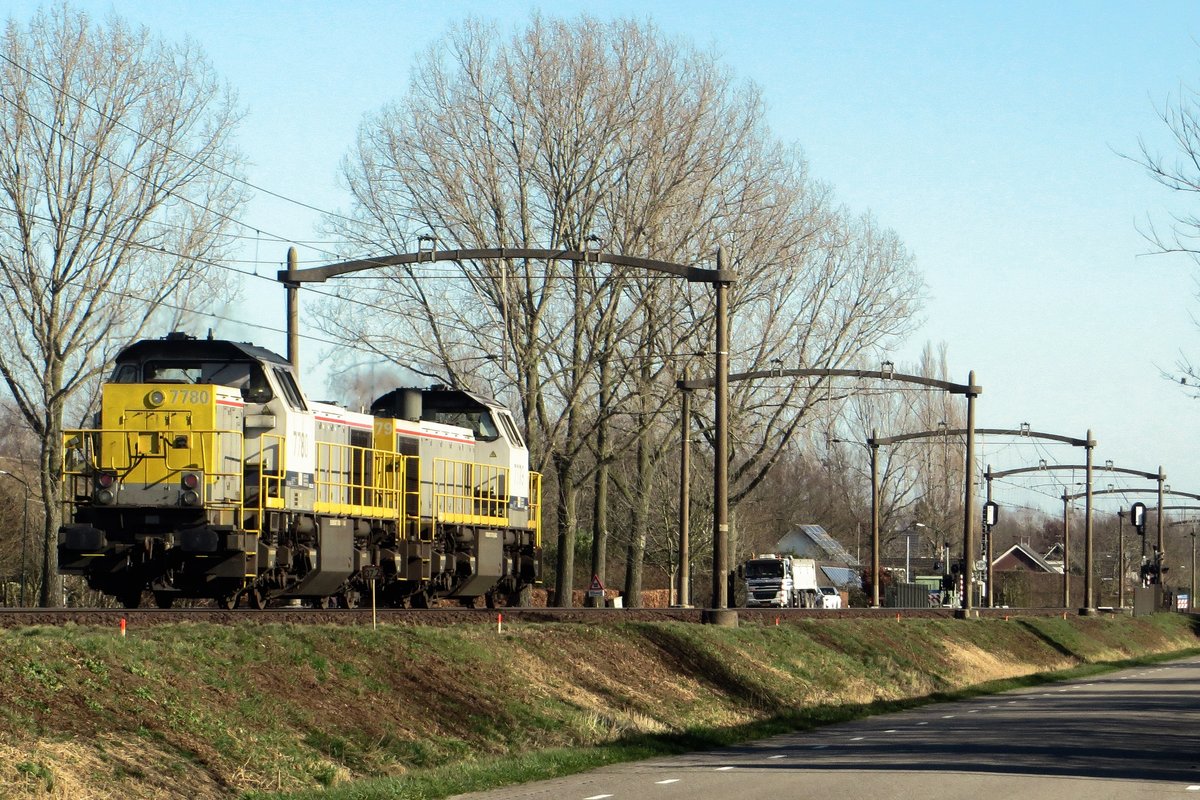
(989,135)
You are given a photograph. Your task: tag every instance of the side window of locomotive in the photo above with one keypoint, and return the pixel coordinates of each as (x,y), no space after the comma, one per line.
(126,373)
(510,428)
(290,390)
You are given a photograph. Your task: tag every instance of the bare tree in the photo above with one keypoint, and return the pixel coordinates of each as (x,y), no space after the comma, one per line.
(941,459)
(576,128)
(1178,172)
(116,187)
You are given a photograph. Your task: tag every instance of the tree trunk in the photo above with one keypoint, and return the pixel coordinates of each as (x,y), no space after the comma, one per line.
(50,464)
(600,492)
(564,581)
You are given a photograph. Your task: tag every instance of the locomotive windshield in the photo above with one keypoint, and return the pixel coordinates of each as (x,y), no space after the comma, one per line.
(766,568)
(480,421)
(244,375)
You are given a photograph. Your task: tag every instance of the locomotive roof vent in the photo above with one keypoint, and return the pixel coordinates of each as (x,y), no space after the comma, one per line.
(178,336)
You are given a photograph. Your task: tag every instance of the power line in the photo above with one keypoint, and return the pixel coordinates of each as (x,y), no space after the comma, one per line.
(182,198)
(195,259)
(33,74)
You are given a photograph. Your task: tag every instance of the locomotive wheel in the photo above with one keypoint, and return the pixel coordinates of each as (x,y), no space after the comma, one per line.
(228,602)
(164,599)
(131,598)
(256,599)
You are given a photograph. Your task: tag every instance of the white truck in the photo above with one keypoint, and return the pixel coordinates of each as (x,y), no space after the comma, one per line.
(781,581)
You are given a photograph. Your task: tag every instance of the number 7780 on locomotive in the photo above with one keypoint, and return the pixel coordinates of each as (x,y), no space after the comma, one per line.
(210,474)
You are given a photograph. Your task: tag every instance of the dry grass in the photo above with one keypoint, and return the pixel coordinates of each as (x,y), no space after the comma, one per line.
(980,666)
(108,768)
(208,713)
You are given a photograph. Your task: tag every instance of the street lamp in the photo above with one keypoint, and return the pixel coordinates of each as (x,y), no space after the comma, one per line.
(24,527)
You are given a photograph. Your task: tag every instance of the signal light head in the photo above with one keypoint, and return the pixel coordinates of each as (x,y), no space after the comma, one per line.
(103,497)
(190,480)
(105,480)
(189,498)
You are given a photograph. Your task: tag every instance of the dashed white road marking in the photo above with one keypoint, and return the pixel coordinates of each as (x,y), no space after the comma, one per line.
(668,780)
(922,723)
(1193,788)
(893,730)
(724,769)
(779,756)
(973,711)
(820,747)
(948,716)
(597,797)
(858,738)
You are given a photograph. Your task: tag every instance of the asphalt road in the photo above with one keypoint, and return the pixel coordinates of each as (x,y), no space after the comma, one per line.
(1130,734)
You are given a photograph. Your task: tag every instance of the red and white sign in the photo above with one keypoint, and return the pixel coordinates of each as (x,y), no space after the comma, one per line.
(597,588)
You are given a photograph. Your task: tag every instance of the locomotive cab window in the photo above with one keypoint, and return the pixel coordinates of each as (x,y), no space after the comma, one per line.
(220,373)
(510,428)
(480,422)
(291,391)
(246,376)
(256,389)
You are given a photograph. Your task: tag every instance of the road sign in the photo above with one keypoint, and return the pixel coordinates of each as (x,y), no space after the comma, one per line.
(597,588)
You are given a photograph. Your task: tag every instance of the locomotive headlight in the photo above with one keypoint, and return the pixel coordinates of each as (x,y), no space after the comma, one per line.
(155,398)
(189,498)
(105,480)
(103,497)
(190,480)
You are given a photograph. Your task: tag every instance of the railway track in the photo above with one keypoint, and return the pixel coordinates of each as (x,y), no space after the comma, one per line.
(146,617)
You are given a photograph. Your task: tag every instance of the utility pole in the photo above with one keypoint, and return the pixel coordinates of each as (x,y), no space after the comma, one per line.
(293,312)
(1121,558)
(685,497)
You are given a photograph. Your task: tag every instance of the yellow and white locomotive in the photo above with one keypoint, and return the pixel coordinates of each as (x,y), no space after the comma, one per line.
(211,475)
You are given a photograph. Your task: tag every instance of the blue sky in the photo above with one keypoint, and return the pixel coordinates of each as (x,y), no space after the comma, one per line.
(987,134)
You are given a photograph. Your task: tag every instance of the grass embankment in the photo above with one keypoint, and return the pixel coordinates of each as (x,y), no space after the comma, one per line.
(199,711)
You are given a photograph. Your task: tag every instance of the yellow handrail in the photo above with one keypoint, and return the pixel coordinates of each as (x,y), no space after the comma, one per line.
(465,492)
(349,480)
(535,506)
